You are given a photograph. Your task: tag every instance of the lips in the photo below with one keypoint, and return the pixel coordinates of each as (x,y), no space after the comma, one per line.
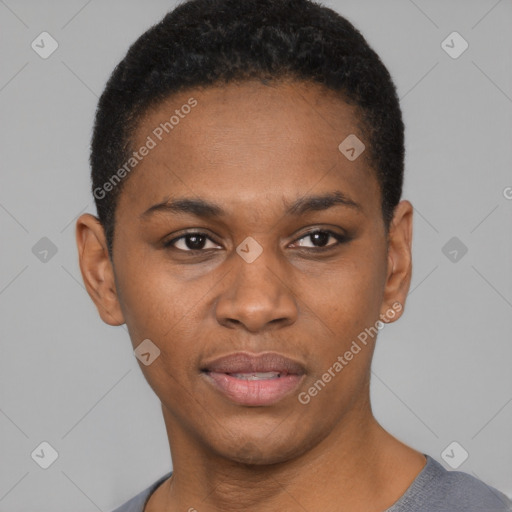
(244,362)
(253,379)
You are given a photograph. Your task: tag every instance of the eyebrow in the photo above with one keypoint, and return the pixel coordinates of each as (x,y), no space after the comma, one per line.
(203,208)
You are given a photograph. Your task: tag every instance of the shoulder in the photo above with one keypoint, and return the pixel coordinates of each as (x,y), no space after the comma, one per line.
(137,503)
(455,488)
(436,489)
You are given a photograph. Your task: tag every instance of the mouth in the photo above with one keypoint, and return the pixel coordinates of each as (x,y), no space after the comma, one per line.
(254,379)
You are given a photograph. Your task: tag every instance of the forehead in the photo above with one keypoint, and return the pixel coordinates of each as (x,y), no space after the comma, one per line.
(280,139)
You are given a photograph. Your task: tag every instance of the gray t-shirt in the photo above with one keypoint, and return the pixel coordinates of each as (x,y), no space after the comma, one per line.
(434,490)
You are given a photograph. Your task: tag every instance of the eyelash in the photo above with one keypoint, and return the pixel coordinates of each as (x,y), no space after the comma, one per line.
(338,237)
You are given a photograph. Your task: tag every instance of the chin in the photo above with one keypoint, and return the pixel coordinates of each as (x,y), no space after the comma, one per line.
(263,450)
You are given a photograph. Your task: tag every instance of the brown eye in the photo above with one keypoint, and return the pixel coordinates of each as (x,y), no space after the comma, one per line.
(320,238)
(191,242)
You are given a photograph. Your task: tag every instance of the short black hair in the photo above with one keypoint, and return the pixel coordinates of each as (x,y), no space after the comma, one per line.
(206,42)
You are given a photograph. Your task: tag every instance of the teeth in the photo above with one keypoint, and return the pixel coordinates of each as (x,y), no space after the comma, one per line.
(256,375)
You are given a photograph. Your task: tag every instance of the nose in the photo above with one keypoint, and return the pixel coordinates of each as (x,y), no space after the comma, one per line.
(257,296)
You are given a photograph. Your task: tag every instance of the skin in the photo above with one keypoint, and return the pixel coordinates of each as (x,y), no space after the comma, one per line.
(252,149)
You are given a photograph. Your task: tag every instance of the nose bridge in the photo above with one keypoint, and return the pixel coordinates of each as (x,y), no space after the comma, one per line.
(258,292)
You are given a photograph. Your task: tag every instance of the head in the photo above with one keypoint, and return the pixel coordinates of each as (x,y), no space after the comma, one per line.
(247,167)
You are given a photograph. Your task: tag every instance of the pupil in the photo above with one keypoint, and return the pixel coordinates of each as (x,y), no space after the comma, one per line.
(195,241)
(321,236)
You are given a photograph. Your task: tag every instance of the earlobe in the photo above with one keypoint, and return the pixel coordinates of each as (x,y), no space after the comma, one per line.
(96,269)
(399,269)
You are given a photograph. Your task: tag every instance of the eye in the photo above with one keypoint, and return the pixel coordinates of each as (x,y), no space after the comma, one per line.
(198,241)
(194,241)
(321,237)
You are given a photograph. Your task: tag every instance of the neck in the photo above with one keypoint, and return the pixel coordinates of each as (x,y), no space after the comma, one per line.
(358,464)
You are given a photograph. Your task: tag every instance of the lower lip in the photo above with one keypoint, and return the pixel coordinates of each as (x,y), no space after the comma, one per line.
(253,392)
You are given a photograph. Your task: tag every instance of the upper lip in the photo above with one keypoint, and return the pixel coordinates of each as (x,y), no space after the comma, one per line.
(246,362)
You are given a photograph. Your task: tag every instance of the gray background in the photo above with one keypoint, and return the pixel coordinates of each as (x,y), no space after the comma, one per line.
(441,374)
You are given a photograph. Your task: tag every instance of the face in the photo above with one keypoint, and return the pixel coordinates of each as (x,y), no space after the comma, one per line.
(263,263)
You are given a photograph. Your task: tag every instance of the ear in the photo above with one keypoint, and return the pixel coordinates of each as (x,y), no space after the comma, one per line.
(96,268)
(399,263)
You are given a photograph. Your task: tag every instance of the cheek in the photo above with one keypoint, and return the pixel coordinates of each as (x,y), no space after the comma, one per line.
(154,302)
(161,305)
(349,295)
(347,305)
(157,308)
